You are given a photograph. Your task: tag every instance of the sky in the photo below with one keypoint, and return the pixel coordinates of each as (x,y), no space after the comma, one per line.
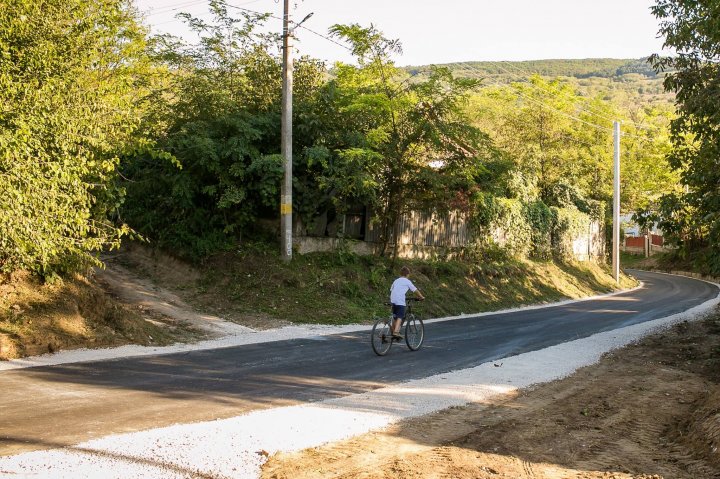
(448,31)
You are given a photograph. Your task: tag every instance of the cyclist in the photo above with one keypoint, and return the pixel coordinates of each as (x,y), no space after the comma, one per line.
(397,298)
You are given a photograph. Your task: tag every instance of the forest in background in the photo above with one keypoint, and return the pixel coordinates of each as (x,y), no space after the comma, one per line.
(109,132)
(628,81)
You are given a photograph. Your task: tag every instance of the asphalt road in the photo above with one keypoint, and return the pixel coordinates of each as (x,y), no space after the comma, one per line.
(53,406)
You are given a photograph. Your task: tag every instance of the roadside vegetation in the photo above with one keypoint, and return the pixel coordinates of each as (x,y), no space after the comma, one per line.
(331,288)
(70,313)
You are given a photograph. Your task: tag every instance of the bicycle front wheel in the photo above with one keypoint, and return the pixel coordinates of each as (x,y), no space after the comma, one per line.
(380,338)
(414,332)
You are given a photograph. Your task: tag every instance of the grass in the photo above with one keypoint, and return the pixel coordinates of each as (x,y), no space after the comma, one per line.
(329,288)
(254,286)
(636,261)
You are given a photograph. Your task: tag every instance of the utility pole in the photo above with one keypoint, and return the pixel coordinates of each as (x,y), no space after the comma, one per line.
(616,203)
(286,141)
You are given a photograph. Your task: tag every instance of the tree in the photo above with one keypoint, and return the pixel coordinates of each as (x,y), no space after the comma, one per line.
(690,28)
(218,115)
(71,87)
(396,144)
(533,123)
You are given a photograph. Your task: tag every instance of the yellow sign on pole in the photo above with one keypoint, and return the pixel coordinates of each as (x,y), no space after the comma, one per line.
(285,208)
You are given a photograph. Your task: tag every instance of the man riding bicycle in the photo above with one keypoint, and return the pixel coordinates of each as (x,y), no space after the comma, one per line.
(397,298)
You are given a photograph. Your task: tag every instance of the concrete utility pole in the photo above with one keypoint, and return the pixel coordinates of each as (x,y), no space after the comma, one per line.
(616,203)
(286,142)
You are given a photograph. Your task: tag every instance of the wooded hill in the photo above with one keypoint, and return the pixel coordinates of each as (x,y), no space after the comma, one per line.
(631,81)
(506,71)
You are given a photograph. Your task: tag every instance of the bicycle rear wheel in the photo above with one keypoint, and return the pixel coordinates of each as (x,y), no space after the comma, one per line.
(414,332)
(380,338)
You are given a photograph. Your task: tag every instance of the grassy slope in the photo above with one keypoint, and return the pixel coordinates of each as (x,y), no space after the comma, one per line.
(340,289)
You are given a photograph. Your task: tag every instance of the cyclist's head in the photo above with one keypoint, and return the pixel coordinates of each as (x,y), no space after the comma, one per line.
(404,271)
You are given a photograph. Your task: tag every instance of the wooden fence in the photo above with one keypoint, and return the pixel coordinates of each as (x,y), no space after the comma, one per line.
(428,229)
(424,235)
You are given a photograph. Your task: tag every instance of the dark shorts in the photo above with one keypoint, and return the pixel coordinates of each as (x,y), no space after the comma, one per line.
(398,311)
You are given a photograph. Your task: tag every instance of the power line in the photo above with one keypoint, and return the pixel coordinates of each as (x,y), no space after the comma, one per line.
(545,91)
(190,4)
(466,66)
(174,20)
(592,112)
(326,38)
(298,25)
(173,7)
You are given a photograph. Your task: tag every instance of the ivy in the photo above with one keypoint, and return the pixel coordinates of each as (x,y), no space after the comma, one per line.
(526,229)
(570,224)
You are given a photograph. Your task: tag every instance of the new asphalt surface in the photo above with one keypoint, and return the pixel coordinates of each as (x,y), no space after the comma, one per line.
(46,407)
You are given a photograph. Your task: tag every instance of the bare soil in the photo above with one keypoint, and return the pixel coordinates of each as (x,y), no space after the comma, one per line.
(648,411)
(76,312)
(141,275)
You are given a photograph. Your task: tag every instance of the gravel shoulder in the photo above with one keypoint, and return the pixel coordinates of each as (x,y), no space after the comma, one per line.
(649,410)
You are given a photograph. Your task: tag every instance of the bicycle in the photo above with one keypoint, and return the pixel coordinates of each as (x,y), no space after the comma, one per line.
(381,337)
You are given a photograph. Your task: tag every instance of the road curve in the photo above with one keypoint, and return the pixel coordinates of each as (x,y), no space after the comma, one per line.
(54,406)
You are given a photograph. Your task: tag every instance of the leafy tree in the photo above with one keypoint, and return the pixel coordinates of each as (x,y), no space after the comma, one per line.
(532,122)
(690,28)
(400,144)
(72,79)
(558,139)
(218,116)
(646,174)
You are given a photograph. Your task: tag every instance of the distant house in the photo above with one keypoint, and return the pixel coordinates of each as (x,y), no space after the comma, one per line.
(636,242)
(632,229)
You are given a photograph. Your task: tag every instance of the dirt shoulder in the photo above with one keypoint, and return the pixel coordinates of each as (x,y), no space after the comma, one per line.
(650,410)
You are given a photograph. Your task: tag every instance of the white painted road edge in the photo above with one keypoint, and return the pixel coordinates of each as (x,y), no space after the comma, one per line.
(229,448)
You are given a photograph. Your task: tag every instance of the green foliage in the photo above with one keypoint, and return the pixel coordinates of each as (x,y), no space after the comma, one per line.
(313,288)
(218,115)
(690,28)
(559,145)
(392,144)
(570,223)
(72,79)
(525,229)
(585,68)
(501,222)
(541,219)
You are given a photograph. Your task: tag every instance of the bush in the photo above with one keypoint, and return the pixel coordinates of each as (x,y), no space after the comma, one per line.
(542,219)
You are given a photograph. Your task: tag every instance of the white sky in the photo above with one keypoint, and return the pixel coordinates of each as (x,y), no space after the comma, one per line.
(446,31)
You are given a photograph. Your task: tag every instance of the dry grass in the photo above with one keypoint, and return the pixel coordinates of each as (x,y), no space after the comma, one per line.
(37,318)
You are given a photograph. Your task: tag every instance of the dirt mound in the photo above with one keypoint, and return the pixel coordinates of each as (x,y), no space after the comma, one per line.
(38,318)
(155,264)
(701,432)
(648,411)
